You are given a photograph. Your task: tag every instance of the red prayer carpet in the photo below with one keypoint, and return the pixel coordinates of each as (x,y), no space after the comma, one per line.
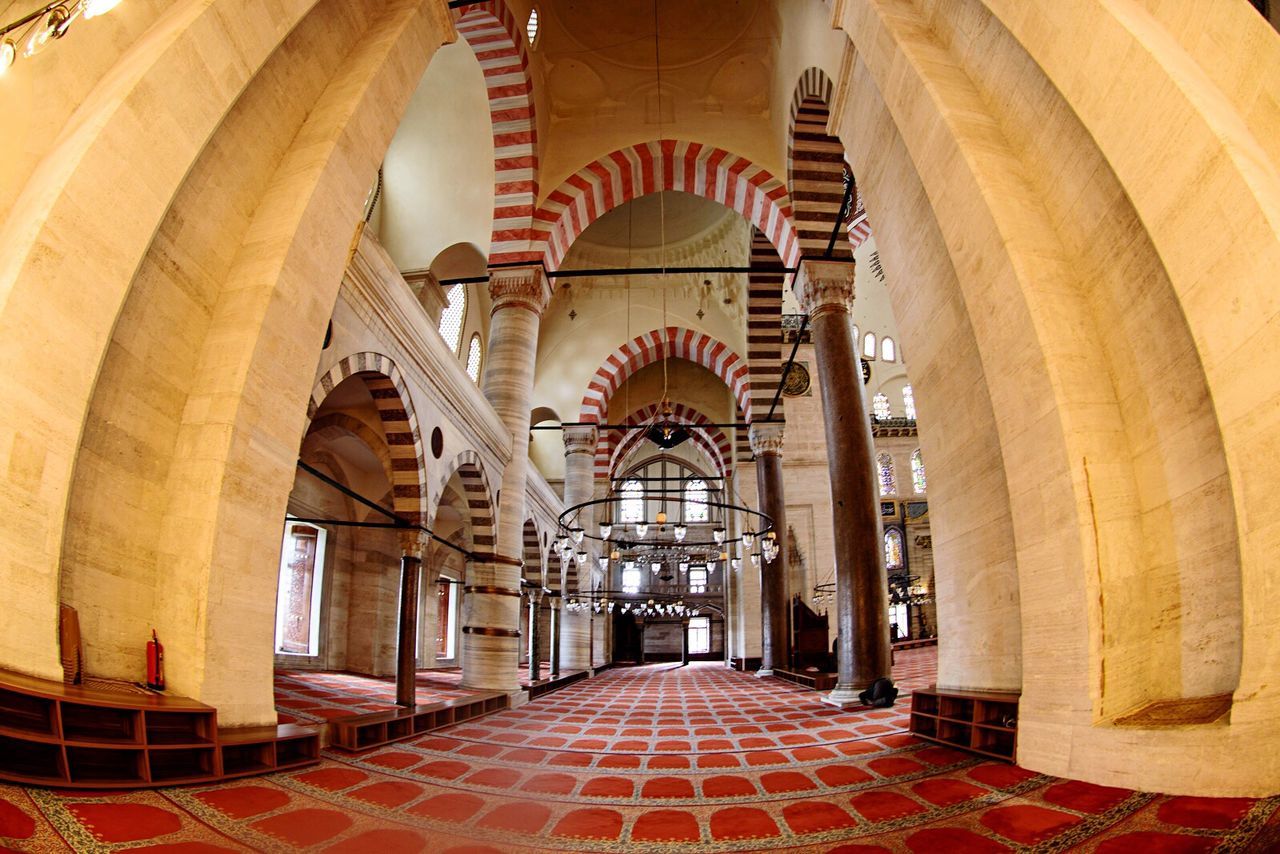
(654,758)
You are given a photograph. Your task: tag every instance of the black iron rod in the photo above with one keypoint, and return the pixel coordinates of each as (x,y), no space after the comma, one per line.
(44,10)
(632,271)
(840,215)
(345,524)
(390,514)
(786,369)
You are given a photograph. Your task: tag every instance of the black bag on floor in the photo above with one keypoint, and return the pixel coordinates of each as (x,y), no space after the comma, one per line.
(880,695)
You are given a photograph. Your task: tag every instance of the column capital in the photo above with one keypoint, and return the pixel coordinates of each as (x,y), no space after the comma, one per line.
(414,543)
(581,439)
(766,438)
(824,286)
(519,287)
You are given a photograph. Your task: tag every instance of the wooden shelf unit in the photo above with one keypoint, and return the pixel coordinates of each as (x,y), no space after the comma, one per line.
(365,732)
(984,723)
(67,736)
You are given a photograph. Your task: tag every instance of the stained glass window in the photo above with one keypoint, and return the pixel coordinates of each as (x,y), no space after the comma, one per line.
(888,482)
(452,316)
(473,358)
(909,402)
(880,406)
(869,346)
(887,351)
(917,471)
(893,549)
(632,501)
(695,500)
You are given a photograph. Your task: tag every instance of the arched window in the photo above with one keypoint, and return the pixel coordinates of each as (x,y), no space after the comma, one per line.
(917,471)
(909,402)
(880,406)
(473,358)
(695,500)
(888,352)
(531,26)
(893,549)
(632,509)
(869,346)
(452,317)
(888,481)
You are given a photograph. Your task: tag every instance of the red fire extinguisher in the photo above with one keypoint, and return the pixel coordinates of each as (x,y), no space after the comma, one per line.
(155,663)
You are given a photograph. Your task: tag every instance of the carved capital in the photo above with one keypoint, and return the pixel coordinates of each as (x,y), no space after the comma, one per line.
(414,543)
(519,287)
(581,439)
(766,438)
(825,286)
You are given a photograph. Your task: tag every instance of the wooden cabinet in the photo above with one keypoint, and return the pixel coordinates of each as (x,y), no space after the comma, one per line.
(53,734)
(985,723)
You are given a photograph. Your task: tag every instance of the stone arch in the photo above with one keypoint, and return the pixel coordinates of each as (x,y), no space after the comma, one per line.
(342,422)
(532,555)
(479,497)
(499,44)
(390,394)
(672,341)
(652,167)
(815,169)
(714,445)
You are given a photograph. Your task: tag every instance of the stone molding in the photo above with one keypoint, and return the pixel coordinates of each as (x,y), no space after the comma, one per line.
(519,287)
(766,438)
(414,543)
(825,286)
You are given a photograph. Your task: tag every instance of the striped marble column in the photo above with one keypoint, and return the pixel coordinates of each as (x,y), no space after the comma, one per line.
(491,637)
(766,444)
(579,484)
(825,289)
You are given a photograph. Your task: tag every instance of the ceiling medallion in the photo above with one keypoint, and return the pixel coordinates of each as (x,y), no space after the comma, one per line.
(797,381)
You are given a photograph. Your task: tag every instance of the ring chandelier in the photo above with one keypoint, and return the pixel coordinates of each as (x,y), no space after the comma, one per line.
(44,26)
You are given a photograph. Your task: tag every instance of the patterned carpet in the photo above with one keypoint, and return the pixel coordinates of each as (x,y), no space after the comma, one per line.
(316,696)
(650,759)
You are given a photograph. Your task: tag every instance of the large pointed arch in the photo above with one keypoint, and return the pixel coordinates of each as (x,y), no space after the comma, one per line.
(390,393)
(652,167)
(499,45)
(479,497)
(711,441)
(672,341)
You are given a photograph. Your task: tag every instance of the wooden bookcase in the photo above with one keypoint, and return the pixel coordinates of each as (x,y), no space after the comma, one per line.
(365,732)
(67,736)
(985,723)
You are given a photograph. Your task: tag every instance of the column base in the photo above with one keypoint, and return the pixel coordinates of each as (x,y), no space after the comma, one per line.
(843,696)
(517,698)
(763,672)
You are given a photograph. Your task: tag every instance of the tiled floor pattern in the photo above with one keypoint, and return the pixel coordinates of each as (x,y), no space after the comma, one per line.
(651,759)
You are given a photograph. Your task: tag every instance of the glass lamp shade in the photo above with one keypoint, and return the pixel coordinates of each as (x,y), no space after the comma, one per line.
(755,559)
(605,530)
(662,517)
(655,568)
(680,531)
(748,539)
(581,558)
(724,555)
(615,554)
(684,566)
(8,53)
(604,562)
(94,8)
(737,564)
(773,535)
(577,534)
(718,535)
(52,27)
(642,528)
(562,543)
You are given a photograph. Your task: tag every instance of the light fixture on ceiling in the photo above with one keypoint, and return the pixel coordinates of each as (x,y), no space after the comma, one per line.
(45,25)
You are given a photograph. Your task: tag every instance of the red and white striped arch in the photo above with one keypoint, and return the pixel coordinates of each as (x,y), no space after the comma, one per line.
(651,167)
(671,342)
(499,44)
(614,446)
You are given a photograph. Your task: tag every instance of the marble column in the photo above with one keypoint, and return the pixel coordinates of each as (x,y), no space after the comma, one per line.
(491,644)
(579,485)
(555,636)
(535,660)
(412,546)
(825,290)
(766,444)
(684,641)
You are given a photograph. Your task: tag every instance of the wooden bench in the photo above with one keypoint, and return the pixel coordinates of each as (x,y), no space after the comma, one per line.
(816,681)
(546,686)
(358,733)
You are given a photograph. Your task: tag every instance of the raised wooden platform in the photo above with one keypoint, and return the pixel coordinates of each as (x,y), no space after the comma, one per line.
(66,736)
(816,681)
(746,665)
(546,686)
(912,643)
(358,733)
(985,723)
